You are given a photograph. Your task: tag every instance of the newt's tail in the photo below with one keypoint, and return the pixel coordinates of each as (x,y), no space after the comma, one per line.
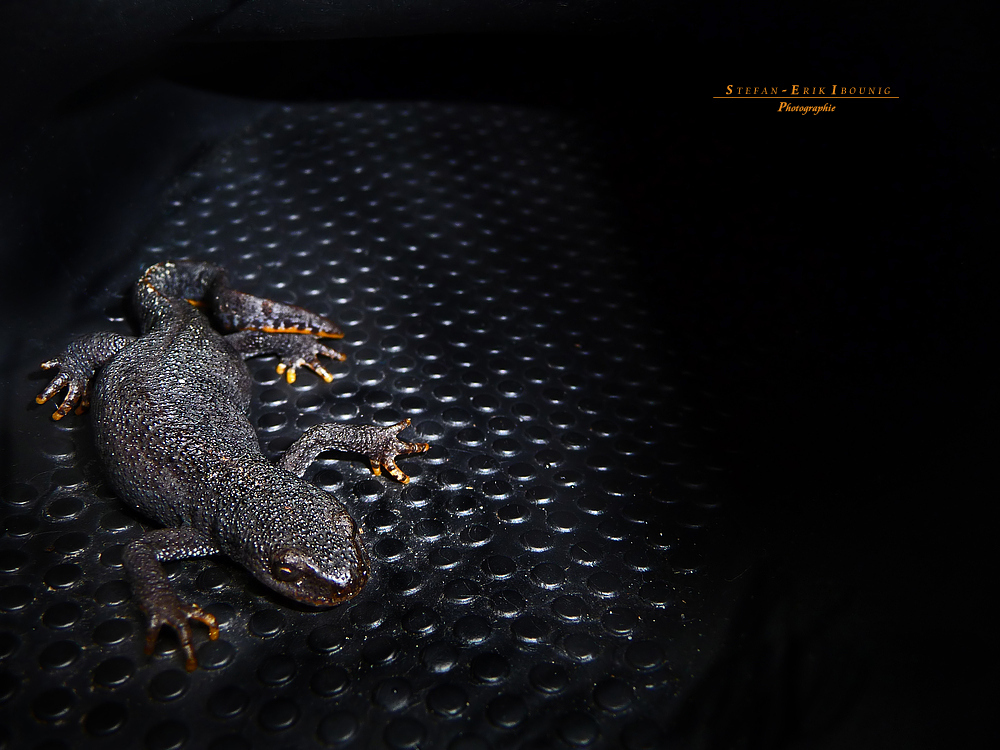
(205,286)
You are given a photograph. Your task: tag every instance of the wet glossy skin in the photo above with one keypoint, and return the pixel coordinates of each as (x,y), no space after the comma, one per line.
(170,411)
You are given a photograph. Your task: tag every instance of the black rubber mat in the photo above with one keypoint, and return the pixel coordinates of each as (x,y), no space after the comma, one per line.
(537,583)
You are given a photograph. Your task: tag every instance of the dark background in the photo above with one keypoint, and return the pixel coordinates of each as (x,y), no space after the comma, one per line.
(825,277)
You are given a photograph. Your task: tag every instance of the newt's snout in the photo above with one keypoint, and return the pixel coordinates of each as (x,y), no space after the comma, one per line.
(359,577)
(325,579)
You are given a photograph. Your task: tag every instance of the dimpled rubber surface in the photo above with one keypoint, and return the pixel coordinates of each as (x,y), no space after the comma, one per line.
(535,584)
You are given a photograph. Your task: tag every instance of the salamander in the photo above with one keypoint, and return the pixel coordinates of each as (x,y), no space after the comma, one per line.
(170,410)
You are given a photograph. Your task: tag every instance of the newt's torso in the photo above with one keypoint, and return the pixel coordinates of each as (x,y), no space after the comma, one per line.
(171,420)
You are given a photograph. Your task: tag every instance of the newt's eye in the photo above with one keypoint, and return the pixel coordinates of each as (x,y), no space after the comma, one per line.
(286,573)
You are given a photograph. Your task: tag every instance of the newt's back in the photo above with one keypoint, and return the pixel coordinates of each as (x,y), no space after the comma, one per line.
(170,415)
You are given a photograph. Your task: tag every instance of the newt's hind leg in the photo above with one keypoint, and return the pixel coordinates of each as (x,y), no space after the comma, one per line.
(380,445)
(294,350)
(263,326)
(76,366)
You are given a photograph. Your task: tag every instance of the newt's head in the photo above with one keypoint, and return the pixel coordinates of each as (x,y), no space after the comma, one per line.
(313,553)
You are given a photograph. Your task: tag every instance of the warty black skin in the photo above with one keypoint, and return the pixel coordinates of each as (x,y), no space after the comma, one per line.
(171,421)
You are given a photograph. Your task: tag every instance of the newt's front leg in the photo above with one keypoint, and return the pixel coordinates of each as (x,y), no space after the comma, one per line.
(156,596)
(380,445)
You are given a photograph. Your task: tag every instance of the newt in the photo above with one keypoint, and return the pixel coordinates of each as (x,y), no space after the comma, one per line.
(170,410)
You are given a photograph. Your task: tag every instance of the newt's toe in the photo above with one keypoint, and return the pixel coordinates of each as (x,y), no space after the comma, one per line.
(179,615)
(205,618)
(389,447)
(396,472)
(288,372)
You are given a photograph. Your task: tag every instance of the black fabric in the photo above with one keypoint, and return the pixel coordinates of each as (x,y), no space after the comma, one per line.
(53,51)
